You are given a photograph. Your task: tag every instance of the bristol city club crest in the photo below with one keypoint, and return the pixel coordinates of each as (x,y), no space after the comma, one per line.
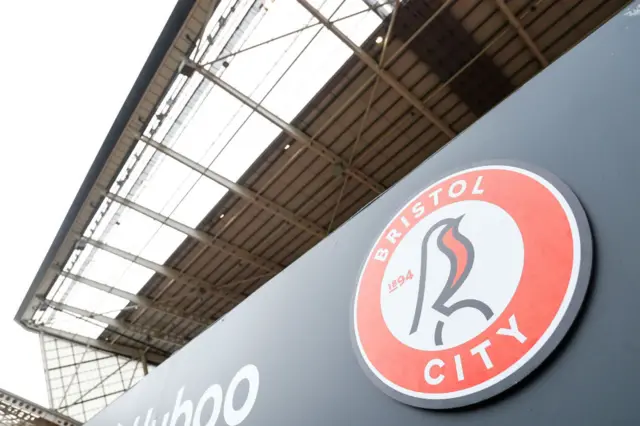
(471,286)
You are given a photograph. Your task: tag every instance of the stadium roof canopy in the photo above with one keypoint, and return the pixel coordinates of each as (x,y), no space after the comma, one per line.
(283,121)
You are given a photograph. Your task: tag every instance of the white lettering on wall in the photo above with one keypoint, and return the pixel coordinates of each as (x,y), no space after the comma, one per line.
(216,401)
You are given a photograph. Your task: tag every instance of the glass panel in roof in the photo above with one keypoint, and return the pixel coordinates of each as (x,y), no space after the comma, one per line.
(142,236)
(359,27)
(73,324)
(223,138)
(162,191)
(85,297)
(132,231)
(217,112)
(202,197)
(112,270)
(266,63)
(162,244)
(320,58)
(252,139)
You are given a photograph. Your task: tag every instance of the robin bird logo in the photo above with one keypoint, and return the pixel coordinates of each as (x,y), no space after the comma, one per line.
(471,285)
(460,253)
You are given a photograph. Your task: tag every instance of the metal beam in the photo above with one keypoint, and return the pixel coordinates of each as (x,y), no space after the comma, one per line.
(384,75)
(45,364)
(95,343)
(241,191)
(184,279)
(292,131)
(522,32)
(74,379)
(119,325)
(136,299)
(370,8)
(363,88)
(143,360)
(198,235)
(365,115)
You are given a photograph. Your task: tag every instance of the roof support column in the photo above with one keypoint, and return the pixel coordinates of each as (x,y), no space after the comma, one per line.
(380,71)
(292,131)
(143,361)
(522,32)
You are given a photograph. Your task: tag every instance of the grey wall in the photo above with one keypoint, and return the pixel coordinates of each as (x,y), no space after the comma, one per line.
(580,120)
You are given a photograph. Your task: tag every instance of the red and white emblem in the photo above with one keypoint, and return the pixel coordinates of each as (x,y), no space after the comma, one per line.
(471,285)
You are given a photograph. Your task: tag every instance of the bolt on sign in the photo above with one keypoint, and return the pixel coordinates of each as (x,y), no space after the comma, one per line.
(471,285)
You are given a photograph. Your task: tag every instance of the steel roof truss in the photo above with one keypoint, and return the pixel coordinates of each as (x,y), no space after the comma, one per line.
(380,71)
(243,192)
(291,130)
(198,235)
(187,280)
(136,299)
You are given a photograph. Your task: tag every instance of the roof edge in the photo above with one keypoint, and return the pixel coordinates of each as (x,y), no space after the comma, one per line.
(162,46)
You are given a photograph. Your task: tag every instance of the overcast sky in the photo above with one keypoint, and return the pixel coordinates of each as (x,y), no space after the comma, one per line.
(66,68)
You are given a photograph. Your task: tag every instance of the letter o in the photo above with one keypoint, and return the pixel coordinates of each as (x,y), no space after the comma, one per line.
(215,394)
(453,193)
(232,416)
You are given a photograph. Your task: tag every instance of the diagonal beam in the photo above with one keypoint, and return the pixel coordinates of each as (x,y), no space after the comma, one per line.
(374,8)
(136,299)
(243,192)
(75,378)
(115,323)
(522,32)
(380,71)
(114,348)
(292,131)
(387,63)
(198,235)
(169,272)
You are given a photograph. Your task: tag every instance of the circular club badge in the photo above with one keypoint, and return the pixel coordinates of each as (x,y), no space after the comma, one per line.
(471,286)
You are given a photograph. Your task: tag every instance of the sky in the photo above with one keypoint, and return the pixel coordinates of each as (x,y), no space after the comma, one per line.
(68,66)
